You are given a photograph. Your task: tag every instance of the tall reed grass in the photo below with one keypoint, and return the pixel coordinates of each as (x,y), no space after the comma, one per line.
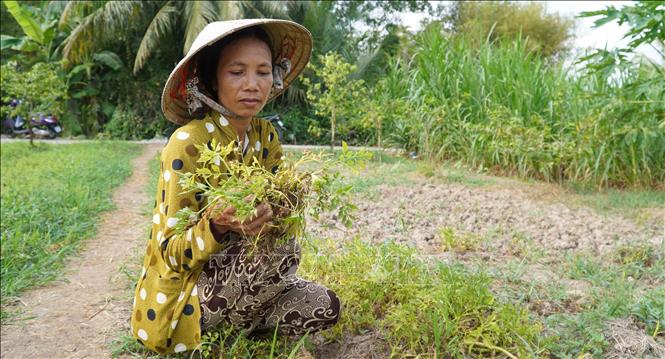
(502,108)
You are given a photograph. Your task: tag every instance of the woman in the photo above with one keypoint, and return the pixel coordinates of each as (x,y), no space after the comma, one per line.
(202,278)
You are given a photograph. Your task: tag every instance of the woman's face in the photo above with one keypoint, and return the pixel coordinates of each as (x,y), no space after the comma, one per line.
(244,76)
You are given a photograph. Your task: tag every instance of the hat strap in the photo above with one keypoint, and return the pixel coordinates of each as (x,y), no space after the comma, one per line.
(195,97)
(279,71)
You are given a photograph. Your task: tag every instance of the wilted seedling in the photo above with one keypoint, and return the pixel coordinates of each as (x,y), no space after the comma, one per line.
(291,192)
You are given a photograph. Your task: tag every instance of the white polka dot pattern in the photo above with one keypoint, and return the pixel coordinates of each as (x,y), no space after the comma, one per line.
(200,243)
(173,261)
(179,348)
(142,334)
(182,135)
(161,298)
(143,293)
(171,222)
(257,146)
(167,175)
(174,324)
(223,121)
(181,296)
(155,218)
(210,127)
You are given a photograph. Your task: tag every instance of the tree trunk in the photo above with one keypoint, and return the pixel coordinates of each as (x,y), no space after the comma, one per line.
(31,134)
(332,130)
(378,132)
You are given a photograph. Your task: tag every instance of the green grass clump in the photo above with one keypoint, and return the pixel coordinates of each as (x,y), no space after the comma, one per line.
(452,240)
(419,309)
(502,108)
(650,310)
(625,283)
(51,199)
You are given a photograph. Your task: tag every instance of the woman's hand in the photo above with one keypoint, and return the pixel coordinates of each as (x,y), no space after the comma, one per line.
(226,221)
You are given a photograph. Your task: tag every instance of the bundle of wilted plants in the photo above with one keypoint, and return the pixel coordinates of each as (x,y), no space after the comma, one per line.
(309,184)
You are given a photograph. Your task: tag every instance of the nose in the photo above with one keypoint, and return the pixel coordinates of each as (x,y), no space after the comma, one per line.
(251,82)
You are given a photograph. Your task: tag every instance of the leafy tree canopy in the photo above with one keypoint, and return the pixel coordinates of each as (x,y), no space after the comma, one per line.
(504,21)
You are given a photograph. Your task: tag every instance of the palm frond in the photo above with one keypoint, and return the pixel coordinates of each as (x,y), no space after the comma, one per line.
(69,10)
(365,61)
(228,10)
(160,25)
(263,9)
(99,27)
(197,15)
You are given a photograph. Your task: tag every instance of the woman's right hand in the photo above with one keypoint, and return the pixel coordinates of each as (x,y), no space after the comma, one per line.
(226,220)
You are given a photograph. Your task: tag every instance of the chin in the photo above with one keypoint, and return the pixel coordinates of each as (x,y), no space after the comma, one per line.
(245,112)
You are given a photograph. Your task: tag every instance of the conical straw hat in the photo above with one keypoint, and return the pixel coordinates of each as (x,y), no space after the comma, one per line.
(289,40)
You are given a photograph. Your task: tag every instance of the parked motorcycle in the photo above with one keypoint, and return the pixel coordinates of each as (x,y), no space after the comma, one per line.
(46,126)
(42,126)
(14,126)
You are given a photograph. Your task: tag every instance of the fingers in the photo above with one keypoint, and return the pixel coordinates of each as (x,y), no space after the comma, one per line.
(255,225)
(251,226)
(229,211)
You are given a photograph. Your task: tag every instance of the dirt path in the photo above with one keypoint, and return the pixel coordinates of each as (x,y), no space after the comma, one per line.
(78,316)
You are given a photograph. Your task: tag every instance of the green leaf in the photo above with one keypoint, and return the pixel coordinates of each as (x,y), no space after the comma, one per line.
(108,109)
(88,91)
(108,58)
(10,42)
(24,18)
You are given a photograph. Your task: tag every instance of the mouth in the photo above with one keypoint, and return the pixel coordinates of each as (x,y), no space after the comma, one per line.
(250,101)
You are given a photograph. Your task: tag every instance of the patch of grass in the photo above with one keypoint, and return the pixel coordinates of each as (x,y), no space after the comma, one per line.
(420,309)
(452,240)
(650,310)
(615,199)
(574,335)
(452,173)
(633,203)
(52,196)
(627,282)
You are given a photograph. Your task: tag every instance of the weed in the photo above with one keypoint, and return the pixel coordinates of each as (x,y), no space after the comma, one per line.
(291,192)
(452,240)
(650,310)
(421,309)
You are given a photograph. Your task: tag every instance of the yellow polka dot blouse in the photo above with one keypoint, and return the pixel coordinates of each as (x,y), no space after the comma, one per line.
(166,311)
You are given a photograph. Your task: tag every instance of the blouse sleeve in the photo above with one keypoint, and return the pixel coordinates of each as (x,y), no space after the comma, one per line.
(191,249)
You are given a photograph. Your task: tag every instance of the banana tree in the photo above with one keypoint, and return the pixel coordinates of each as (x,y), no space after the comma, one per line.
(41,35)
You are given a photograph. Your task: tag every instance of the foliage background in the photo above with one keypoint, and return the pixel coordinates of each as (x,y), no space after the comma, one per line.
(486,83)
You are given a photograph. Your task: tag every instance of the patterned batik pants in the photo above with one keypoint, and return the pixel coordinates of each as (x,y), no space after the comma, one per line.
(261,292)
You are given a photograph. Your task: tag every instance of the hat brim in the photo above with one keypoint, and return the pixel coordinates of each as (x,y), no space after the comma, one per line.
(289,40)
